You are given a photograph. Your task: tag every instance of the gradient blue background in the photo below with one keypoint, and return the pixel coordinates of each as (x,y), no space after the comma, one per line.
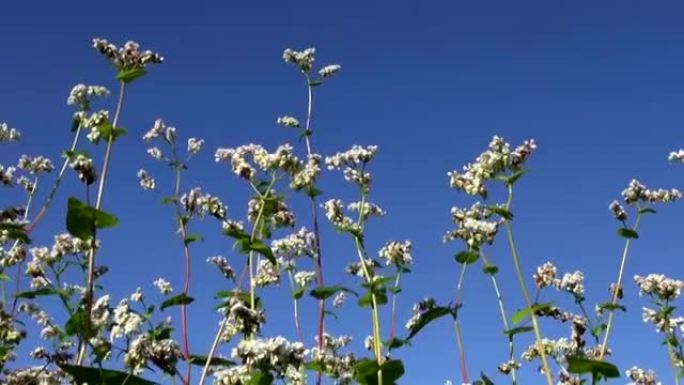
(599,85)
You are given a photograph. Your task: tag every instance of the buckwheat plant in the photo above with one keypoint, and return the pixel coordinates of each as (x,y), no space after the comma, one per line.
(57,313)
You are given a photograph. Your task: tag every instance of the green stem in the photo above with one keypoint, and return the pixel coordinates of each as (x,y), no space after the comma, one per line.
(295,309)
(457,325)
(525,292)
(614,299)
(504,318)
(393,326)
(98,205)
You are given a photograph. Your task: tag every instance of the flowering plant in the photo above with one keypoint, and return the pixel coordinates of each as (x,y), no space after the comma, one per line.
(89,337)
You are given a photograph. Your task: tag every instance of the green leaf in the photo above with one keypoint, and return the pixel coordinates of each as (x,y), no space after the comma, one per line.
(298,293)
(261,378)
(427,317)
(518,330)
(611,307)
(522,314)
(127,76)
(313,192)
(315,83)
(646,210)
(598,329)
(628,233)
(490,269)
(467,257)
(78,325)
(168,200)
(502,212)
(215,361)
(484,380)
(192,238)
(92,376)
(511,179)
(180,299)
(367,299)
(329,291)
(37,293)
(261,248)
(109,132)
(82,219)
(579,365)
(15,231)
(396,343)
(366,371)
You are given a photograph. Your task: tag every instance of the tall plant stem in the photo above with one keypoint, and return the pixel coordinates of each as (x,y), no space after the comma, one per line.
(671,356)
(90,279)
(525,292)
(183,228)
(458,303)
(314,218)
(361,251)
(295,301)
(252,301)
(616,291)
(393,324)
(504,317)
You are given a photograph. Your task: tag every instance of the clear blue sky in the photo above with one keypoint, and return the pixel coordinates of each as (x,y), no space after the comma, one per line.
(599,85)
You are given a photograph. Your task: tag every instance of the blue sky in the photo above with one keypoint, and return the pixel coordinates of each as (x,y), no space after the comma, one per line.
(597,84)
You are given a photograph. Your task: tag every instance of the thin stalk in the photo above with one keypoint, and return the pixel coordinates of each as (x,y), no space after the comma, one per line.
(90,279)
(224,322)
(183,227)
(393,325)
(458,299)
(318,266)
(614,299)
(526,294)
(298,326)
(671,355)
(504,318)
(27,209)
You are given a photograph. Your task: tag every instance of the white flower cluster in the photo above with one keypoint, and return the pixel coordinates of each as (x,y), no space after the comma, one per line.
(553,348)
(329,70)
(369,209)
(38,375)
(195,145)
(493,162)
(128,57)
(472,226)
(222,264)
(8,134)
(304,278)
(155,153)
(83,165)
(508,366)
(339,299)
(242,318)
(353,163)
(641,377)
(146,181)
(663,321)
(636,192)
(199,204)
(334,211)
(565,378)
(307,174)
(163,285)
(160,130)
(301,243)
(81,95)
(161,352)
(397,253)
(35,165)
(659,286)
(279,215)
(288,121)
(419,311)
(7,175)
(676,156)
(266,274)
(94,122)
(125,322)
(338,365)
(302,59)
(282,159)
(546,275)
(618,211)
